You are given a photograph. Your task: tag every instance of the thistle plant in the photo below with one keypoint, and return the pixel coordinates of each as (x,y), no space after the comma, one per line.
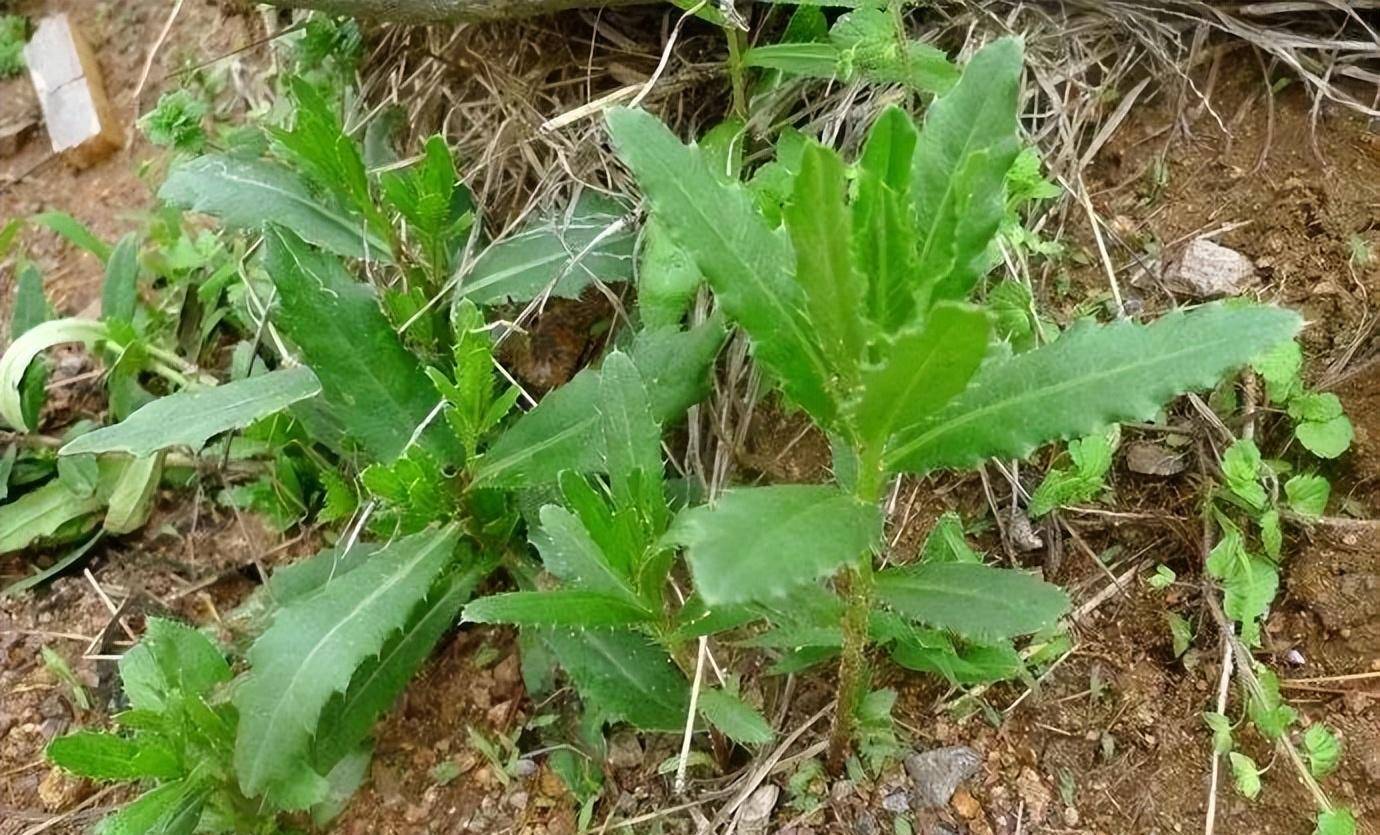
(859,306)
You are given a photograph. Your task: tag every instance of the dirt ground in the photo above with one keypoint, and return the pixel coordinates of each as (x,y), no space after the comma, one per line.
(1111,741)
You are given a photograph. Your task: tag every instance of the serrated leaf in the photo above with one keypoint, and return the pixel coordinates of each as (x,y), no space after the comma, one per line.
(248,194)
(104,756)
(171,809)
(1092,458)
(1323,750)
(348,719)
(1180,632)
(1221,731)
(946,542)
(1272,717)
(969,664)
(563,431)
(1280,367)
(921,369)
(623,676)
(1327,438)
(370,381)
(569,608)
(1248,593)
(22,351)
(438,209)
(1314,406)
(171,658)
(311,652)
(588,242)
(1247,774)
(977,601)
(632,438)
(748,265)
(303,577)
(733,717)
(819,222)
(883,220)
(813,60)
(192,417)
(966,145)
(759,543)
(317,145)
(1336,822)
(570,553)
(120,289)
(1241,466)
(1307,494)
(1091,377)
(888,153)
(869,43)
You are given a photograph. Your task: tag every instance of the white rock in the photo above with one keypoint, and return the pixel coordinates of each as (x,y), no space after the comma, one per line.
(67,78)
(1208,269)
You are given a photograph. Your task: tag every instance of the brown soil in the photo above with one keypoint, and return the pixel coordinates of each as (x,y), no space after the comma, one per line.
(1115,733)
(1111,741)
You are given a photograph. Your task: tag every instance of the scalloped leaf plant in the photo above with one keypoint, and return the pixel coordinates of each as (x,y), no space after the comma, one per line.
(858,306)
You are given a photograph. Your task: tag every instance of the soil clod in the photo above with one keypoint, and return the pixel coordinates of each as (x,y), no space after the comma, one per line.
(937,774)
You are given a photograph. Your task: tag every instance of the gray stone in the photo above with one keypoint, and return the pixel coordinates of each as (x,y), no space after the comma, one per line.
(1208,269)
(1150,458)
(896,803)
(757,810)
(625,750)
(936,774)
(866,824)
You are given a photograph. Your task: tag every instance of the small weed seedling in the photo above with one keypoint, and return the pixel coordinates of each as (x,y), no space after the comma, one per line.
(178,735)
(858,308)
(1249,511)
(14,33)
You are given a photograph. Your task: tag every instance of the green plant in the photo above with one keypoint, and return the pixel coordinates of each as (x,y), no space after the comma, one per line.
(14,33)
(150,341)
(178,734)
(868,43)
(378,405)
(1319,423)
(605,547)
(1248,513)
(858,310)
(1092,459)
(176,121)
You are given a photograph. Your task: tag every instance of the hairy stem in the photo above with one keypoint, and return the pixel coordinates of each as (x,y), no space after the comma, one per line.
(855,587)
(737,41)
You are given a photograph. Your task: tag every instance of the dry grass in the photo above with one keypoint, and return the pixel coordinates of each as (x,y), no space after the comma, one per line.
(490,88)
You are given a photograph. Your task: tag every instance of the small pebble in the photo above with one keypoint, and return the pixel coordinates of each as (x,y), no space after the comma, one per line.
(966,805)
